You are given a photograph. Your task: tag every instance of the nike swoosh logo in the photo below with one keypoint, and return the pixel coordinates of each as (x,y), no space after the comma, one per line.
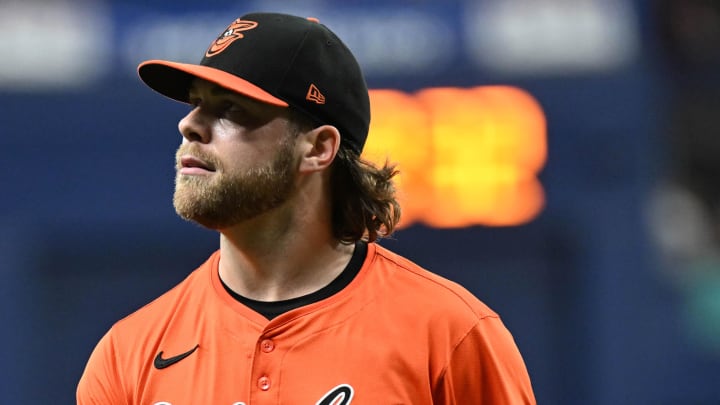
(161,363)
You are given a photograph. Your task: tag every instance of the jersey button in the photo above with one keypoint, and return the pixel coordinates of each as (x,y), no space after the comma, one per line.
(267,345)
(264,383)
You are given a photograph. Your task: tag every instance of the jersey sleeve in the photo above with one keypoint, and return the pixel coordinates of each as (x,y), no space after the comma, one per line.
(486,368)
(101,383)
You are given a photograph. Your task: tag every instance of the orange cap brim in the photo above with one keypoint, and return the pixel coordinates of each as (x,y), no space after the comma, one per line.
(173,79)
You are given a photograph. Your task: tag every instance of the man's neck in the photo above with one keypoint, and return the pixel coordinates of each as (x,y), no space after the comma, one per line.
(266,267)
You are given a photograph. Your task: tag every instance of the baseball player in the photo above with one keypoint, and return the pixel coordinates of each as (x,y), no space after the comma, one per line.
(299,305)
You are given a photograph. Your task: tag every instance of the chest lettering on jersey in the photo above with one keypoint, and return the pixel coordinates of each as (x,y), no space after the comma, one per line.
(340,395)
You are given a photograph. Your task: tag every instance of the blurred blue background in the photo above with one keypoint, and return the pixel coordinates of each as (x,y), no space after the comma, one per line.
(612,292)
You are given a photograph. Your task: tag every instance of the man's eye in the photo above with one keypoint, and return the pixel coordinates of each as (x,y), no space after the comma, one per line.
(231,107)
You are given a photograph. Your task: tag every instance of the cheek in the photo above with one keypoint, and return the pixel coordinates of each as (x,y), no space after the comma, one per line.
(241,149)
(238,158)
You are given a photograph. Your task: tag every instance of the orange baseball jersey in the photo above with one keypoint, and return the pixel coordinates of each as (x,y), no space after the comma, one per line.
(397,334)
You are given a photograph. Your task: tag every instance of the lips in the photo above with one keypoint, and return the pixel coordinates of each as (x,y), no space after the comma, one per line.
(192,165)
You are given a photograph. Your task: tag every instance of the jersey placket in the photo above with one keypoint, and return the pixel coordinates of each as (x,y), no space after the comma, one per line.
(265,377)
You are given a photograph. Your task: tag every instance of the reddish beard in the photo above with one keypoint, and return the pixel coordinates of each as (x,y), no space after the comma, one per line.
(227,198)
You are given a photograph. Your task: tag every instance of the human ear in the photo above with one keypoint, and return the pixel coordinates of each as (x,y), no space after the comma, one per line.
(321,145)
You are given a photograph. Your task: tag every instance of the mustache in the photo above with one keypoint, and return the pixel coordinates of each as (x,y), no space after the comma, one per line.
(196,152)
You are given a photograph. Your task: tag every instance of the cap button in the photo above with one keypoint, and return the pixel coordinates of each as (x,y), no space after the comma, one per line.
(313,19)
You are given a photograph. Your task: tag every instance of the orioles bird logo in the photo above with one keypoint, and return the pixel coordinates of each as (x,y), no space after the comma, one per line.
(232,33)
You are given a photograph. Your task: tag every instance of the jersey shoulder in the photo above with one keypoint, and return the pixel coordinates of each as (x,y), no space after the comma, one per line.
(427,288)
(154,317)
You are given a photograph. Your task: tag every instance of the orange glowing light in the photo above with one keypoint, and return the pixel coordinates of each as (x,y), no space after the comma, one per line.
(466,156)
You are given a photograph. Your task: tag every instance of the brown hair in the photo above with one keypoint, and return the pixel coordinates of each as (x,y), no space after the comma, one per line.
(363,200)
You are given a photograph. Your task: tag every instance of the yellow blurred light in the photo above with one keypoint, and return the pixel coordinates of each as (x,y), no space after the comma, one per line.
(466,156)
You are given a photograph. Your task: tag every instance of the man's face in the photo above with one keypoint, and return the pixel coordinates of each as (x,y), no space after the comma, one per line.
(237,160)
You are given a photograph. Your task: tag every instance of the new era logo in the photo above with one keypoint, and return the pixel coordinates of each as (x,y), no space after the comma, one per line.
(314,95)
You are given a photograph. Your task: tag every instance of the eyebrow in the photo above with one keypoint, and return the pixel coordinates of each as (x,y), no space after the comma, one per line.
(251,103)
(215,90)
(221,91)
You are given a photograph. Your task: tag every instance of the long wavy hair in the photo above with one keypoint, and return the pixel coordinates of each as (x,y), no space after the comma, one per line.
(363,198)
(364,206)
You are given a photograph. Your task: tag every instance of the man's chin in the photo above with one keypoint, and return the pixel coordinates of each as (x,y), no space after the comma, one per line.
(202,220)
(188,206)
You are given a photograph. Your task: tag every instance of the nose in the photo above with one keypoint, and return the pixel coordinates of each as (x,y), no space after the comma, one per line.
(194,127)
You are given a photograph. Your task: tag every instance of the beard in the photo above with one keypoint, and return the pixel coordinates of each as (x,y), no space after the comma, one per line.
(228,198)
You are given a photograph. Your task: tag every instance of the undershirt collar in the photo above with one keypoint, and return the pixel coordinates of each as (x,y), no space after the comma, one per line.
(271,309)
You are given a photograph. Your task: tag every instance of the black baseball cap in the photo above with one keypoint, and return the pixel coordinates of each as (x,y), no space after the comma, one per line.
(282,60)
